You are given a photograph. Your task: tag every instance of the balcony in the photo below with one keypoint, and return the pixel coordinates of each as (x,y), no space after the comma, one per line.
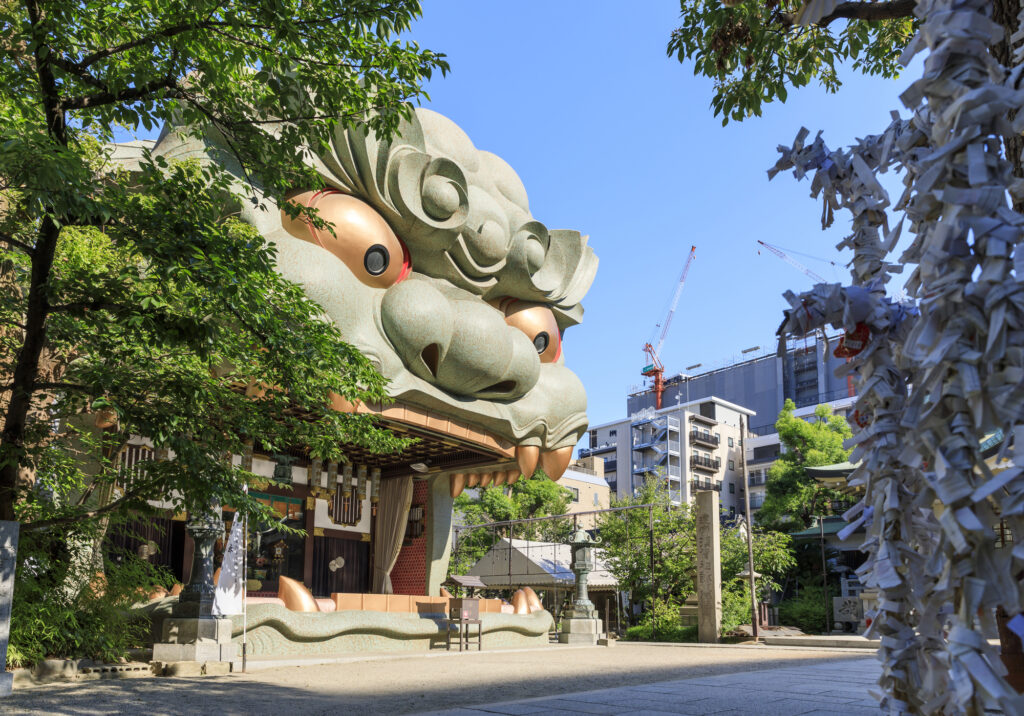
(587,452)
(755,481)
(696,485)
(699,436)
(705,463)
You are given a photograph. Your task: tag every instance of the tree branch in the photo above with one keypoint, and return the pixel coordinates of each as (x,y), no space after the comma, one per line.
(48,386)
(11,241)
(129,496)
(86,306)
(107,97)
(868,11)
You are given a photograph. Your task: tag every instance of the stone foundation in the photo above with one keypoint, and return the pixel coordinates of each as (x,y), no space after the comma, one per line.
(273,631)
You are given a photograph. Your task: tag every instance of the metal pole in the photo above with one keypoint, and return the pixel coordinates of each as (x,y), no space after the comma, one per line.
(246,464)
(245,587)
(824,573)
(654,592)
(750,532)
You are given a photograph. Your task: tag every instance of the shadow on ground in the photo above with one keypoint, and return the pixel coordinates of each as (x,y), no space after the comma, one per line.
(404,685)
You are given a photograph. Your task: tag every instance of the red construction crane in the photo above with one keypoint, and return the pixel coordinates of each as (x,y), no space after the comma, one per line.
(792,261)
(654,368)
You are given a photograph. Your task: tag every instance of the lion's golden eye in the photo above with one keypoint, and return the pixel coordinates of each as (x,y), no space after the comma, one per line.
(537,322)
(361,239)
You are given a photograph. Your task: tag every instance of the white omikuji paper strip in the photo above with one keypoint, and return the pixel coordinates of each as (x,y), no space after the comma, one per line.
(930,500)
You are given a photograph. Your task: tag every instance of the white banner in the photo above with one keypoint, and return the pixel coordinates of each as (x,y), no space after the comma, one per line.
(231,586)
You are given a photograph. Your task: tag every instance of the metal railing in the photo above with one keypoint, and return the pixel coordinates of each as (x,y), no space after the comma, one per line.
(823,398)
(755,481)
(587,452)
(707,438)
(706,463)
(705,485)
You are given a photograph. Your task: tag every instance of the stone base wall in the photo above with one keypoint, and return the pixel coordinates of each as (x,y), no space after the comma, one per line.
(276,632)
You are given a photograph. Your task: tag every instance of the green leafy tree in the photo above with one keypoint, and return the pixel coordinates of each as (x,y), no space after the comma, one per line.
(134,302)
(536,497)
(627,537)
(792,498)
(756,50)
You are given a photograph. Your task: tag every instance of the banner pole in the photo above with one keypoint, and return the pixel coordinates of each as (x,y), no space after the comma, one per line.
(245,585)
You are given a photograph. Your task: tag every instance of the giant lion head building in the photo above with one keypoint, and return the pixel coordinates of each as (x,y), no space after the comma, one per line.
(437,271)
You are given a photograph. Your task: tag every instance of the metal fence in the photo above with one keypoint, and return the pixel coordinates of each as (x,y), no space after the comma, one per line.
(534,553)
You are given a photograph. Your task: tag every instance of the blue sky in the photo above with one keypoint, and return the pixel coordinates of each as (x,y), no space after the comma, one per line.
(614,139)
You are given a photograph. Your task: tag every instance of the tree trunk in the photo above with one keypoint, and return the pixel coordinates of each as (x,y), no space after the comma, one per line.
(26,368)
(37,307)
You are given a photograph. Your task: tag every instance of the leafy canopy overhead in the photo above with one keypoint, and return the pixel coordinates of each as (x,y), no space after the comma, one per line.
(792,498)
(754,50)
(136,295)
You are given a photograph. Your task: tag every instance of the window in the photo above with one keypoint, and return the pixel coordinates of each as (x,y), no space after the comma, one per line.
(575,494)
(730,442)
(597,499)
(732,464)
(718,436)
(732,489)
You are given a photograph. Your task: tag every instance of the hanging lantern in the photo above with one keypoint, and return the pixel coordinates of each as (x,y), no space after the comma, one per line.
(283,468)
(314,472)
(346,482)
(375,485)
(361,473)
(332,474)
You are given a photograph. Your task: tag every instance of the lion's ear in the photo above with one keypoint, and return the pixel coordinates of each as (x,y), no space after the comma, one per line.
(358,235)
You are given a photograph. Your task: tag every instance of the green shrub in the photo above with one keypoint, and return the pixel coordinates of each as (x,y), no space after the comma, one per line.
(665,617)
(805,611)
(50,618)
(735,606)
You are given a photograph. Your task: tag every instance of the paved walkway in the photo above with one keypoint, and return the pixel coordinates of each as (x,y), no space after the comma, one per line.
(685,678)
(816,690)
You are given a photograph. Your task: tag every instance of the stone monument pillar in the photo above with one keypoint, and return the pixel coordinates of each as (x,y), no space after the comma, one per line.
(580,624)
(8,563)
(709,568)
(193,640)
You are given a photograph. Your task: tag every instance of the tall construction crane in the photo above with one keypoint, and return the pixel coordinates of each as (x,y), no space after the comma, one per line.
(654,368)
(793,262)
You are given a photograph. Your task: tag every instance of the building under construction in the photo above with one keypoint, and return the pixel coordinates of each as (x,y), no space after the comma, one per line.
(805,374)
(694,439)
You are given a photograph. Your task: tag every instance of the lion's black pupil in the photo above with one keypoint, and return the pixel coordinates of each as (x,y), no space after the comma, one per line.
(376,260)
(540,342)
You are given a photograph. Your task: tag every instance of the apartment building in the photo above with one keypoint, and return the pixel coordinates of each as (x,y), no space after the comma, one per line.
(692,446)
(590,491)
(763,450)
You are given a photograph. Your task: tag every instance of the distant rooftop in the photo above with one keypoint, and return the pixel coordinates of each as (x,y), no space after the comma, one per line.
(575,474)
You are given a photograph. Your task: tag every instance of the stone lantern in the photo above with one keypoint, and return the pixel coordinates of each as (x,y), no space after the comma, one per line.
(579,624)
(583,563)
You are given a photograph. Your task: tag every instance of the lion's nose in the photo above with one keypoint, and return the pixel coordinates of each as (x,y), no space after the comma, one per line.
(458,343)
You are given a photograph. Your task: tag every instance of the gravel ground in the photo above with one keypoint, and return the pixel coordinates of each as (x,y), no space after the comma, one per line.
(410,684)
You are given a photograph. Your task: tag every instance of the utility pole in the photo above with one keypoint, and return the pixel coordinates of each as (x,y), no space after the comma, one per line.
(824,572)
(750,532)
